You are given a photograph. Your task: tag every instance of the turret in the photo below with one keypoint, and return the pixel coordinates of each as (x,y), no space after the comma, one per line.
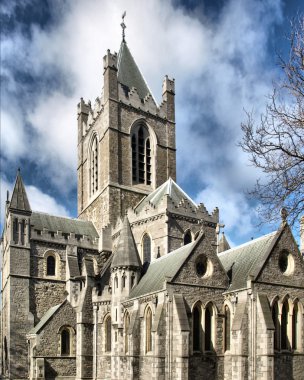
(19,212)
(169,98)
(110,76)
(125,269)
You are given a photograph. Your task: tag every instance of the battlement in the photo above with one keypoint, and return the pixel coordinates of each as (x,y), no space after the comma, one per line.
(59,237)
(168,85)
(110,60)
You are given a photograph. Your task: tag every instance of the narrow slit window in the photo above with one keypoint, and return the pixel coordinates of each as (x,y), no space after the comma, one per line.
(127,324)
(227,328)
(108,329)
(65,342)
(148,330)
(50,266)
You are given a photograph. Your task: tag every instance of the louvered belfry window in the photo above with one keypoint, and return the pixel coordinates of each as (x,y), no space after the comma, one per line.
(141,156)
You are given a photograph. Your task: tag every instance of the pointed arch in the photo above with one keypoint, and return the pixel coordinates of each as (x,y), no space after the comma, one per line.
(209,327)
(146,248)
(108,333)
(197,332)
(148,329)
(142,153)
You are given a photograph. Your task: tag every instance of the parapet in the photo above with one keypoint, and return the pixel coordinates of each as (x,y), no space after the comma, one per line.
(83,107)
(110,60)
(168,85)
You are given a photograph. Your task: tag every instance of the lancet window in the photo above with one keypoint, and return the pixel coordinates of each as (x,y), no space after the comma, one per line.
(141,156)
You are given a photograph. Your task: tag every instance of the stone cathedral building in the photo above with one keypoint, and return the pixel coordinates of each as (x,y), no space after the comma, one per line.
(140,286)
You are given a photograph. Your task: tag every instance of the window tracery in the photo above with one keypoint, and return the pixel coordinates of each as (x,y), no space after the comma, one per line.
(141,156)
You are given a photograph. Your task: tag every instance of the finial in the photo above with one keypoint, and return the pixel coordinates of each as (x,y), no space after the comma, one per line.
(19,170)
(284,214)
(7,196)
(123,26)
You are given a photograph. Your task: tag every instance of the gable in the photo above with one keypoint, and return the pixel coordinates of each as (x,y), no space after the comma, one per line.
(202,267)
(270,269)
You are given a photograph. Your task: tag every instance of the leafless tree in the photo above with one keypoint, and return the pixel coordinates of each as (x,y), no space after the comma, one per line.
(276,143)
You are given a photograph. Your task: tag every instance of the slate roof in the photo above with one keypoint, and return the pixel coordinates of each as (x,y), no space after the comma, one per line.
(164,268)
(19,199)
(129,73)
(126,253)
(47,316)
(41,220)
(244,260)
(170,188)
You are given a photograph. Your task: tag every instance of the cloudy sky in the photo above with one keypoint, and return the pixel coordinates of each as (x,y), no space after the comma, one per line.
(222,54)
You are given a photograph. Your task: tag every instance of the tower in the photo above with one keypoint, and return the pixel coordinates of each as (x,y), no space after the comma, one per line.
(124,141)
(17,319)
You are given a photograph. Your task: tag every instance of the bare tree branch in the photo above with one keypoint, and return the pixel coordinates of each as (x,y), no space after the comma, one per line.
(276,144)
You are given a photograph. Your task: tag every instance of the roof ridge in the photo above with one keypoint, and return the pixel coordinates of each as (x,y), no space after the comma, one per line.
(247,243)
(62,217)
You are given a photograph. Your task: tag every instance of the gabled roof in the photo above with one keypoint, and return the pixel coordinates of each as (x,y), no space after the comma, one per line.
(162,269)
(41,220)
(170,188)
(19,199)
(245,260)
(47,316)
(126,254)
(129,73)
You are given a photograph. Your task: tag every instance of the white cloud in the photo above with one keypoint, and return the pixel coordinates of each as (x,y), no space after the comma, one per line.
(219,69)
(39,201)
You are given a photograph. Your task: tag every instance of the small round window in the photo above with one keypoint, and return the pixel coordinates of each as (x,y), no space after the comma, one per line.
(203,266)
(286,263)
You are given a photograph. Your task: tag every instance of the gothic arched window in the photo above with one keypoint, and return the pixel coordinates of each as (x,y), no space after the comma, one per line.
(275,318)
(50,265)
(146,248)
(65,342)
(227,329)
(284,326)
(94,166)
(197,328)
(187,237)
(141,155)
(108,329)
(148,321)
(208,328)
(127,324)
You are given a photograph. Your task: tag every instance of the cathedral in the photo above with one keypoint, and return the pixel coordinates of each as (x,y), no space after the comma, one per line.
(142,284)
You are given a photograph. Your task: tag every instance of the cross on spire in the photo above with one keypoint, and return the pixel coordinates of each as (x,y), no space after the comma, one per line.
(123,26)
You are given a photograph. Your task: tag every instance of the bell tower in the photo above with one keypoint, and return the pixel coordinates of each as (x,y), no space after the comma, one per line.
(126,141)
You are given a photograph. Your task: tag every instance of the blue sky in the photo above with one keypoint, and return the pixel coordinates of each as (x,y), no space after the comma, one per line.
(222,55)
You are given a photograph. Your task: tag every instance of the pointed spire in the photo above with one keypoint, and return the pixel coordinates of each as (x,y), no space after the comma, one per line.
(223,244)
(128,72)
(19,199)
(126,254)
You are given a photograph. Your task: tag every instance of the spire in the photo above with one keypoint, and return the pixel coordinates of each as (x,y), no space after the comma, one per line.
(19,199)
(129,74)
(223,244)
(126,254)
